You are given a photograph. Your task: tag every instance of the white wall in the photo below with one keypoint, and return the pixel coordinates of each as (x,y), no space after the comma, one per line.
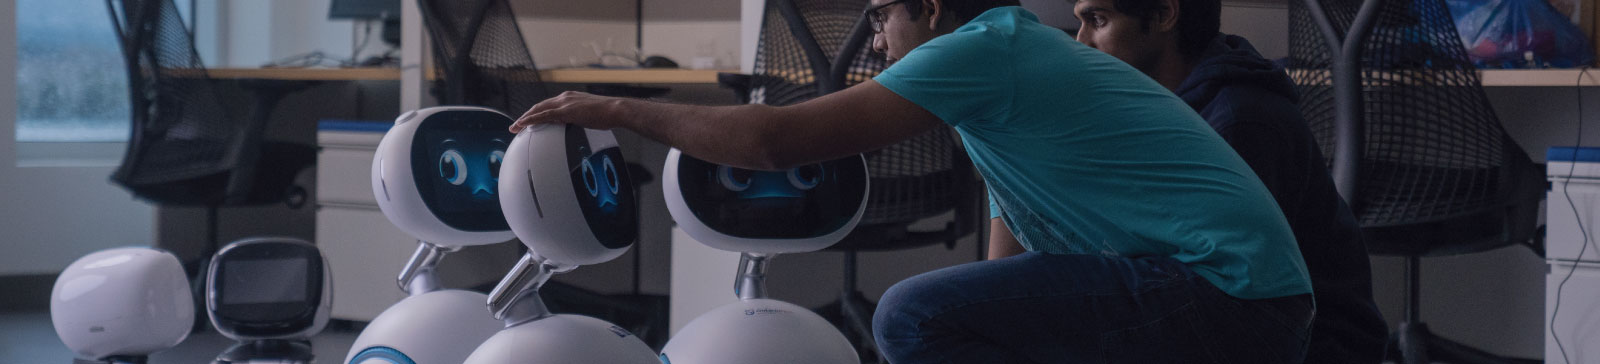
(50,216)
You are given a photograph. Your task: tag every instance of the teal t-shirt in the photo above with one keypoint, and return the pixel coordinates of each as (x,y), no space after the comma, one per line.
(1084,154)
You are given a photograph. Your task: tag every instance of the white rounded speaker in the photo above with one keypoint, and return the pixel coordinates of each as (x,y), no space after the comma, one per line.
(434,327)
(567,194)
(434,175)
(122,302)
(758,331)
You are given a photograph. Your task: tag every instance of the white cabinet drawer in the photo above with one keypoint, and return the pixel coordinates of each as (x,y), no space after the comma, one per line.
(344,176)
(1579,322)
(365,253)
(1564,238)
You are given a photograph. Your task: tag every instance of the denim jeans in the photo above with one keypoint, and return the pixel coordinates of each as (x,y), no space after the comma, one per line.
(1045,308)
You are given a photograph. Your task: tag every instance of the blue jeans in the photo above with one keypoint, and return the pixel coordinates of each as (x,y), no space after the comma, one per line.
(1046,308)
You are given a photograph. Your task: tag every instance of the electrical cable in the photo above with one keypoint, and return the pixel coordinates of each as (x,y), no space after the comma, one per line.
(1571,169)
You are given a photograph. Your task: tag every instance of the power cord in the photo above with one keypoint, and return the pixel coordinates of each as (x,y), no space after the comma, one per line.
(1571,169)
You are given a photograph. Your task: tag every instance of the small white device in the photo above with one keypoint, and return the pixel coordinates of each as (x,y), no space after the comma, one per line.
(120,305)
(272,294)
(762,214)
(435,177)
(569,199)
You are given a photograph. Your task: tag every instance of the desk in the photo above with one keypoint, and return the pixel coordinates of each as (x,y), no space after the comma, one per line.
(564,75)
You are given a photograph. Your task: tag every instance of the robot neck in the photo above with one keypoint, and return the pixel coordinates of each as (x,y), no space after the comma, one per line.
(418,276)
(751,282)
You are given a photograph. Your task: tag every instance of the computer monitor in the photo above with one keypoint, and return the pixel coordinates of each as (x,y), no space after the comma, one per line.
(365,9)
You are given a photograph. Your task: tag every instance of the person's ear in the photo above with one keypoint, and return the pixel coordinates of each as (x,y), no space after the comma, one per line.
(1166,17)
(934,10)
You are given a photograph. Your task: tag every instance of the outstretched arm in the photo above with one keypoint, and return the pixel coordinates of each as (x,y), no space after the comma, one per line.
(858,119)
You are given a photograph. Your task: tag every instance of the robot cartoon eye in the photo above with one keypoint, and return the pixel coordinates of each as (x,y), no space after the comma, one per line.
(495,158)
(612,178)
(734,179)
(805,177)
(453,167)
(589,180)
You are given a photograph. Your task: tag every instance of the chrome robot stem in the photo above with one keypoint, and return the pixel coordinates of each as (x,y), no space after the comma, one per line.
(752,280)
(419,274)
(516,299)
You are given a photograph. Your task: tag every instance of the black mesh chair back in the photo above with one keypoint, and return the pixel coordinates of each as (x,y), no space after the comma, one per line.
(1422,144)
(186,146)
(1414,146)
(480,58)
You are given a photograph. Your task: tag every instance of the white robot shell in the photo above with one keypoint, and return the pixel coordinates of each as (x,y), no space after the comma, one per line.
(123,301)
(434,327)
(811,229)
(395,179)
(566,193)
(563,339)
(759,331)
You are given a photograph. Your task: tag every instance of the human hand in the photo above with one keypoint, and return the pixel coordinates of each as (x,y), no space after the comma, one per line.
(576,108)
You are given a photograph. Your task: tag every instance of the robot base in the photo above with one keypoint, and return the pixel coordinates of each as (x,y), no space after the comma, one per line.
(561,339)
(434,327)
(758,331)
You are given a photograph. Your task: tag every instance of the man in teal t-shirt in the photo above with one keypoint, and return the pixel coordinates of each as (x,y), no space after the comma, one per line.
(1147,238)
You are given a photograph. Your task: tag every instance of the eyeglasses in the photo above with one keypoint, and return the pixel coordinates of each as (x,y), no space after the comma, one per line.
(876,17)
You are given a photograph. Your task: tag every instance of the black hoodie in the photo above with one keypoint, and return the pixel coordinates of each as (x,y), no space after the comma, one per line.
(1252,104)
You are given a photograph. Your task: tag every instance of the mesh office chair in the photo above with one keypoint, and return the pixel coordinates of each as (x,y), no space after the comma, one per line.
(479,56)
(481,59)
(1415,148)
(188,145)
(809,48)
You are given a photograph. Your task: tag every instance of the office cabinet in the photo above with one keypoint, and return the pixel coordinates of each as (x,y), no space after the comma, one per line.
(1572,209)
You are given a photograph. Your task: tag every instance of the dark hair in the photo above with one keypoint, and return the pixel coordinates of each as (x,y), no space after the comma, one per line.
(962,10)
(1198,21)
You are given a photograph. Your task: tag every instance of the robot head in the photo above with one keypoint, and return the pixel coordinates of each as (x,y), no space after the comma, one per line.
(122,302)
(435,175)
(268,288)
(567,194)
(799,210)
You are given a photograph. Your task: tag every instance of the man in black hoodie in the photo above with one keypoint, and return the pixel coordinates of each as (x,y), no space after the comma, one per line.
(1253,105)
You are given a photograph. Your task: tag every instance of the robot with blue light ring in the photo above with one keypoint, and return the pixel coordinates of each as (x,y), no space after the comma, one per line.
(435,178)
(762,214)
(570,202)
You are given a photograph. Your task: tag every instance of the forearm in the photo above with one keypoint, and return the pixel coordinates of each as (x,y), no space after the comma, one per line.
(751,136)
(737,135)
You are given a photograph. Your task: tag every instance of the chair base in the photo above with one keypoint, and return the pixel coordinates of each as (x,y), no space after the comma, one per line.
(1412,343)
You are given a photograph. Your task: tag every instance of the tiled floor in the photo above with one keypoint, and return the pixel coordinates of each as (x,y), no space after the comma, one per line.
(29,338)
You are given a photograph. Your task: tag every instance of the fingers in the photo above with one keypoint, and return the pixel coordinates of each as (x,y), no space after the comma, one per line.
(533,115)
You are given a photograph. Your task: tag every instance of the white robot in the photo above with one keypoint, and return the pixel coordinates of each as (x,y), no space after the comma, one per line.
(434,177)
(271,294)
(762,214)
(120,305)
(568,197)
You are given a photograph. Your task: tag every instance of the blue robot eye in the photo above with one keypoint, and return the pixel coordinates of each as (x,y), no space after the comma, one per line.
(452,167)
(495,158)
(806,177)
(734,179)
(589,179)
(611,175)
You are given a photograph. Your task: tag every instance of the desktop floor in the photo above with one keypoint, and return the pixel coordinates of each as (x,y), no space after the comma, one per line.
(28,338)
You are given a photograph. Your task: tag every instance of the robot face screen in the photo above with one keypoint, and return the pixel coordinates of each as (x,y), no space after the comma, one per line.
(257,285)
(603,188)
(804,202)
(455,159)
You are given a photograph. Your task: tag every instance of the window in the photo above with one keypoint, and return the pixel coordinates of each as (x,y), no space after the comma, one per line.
(71,81)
